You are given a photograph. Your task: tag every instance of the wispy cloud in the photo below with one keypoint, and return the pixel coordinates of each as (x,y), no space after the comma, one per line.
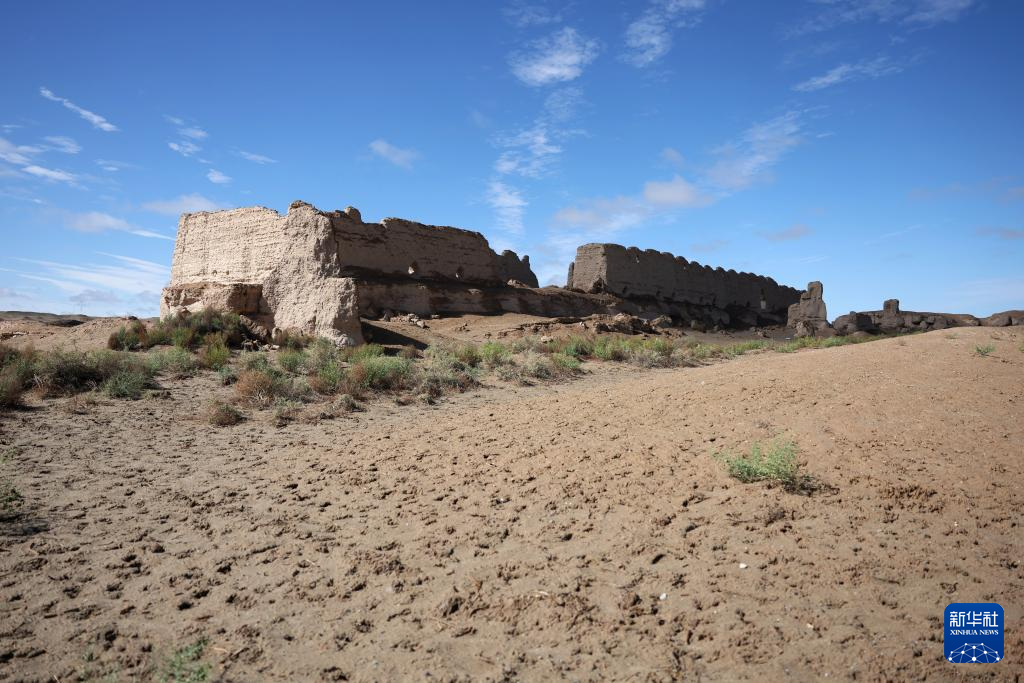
(218,178)
(672,156)
(529,153)
(401,157)
(508,205)
(556,58)
(60,143)
(17,154)
(50,174)
(255,158)
(909,13)
(97,222)
(603,217)
(193,133)
(1002,233)
(522,15)
(563,104)
(649,37)
(750,158)
(862,70)
(796,232)
(114,166)
(709,246)
(127,281)
(95,119)
(186,203)
(185,148)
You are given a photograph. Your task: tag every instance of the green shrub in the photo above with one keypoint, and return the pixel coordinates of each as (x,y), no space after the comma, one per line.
(227,375)
(610,348)
(984,350)
(576,346)
(129,338)
(329,378)
(176,362)
(381,373)
(215,353)
(292,360)
(444,375)
(255,360)
(536,365)
(183,337)
(778,463)
(126,384)
(293,340)
(493,354)
(360,353)
(565,364)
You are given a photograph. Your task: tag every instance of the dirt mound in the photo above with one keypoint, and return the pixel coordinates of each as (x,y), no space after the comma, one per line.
(583,531)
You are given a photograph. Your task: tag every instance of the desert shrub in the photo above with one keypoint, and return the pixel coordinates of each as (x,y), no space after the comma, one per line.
(524,344)
(285,411)
(648,358)
(12,388)
(576,346)
(183,337)
(740,348)
(777,463)
(255,387)
(565,364)
(8,354)
(984,350)
(443,375)
(610,348)
(329,378)
(511,372)
(321,353)
(293,340)
(381,373)
(227,375)
(186,330)
(346,404)
(410,352)
(215,353)
(360,353)
(223,414)
(494,354)
(176,362)
(129,338)
(292,360)
(126,383)
(255,360)
(536,365)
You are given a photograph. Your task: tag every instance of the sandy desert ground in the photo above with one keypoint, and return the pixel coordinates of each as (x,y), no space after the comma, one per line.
(582,530)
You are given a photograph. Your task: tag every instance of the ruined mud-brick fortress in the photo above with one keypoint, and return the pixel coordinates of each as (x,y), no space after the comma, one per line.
(320,272)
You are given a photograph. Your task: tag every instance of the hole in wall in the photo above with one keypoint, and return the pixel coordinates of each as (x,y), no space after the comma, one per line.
(413,268)
(458,273)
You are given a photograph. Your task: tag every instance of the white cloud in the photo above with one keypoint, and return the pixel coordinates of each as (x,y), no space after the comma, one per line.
(256,158)
(194,133)
(649,37)
(675,193)
(865,69)
(557,58)
(50,174)
(95,119)
(186,203)
(215,176)
(96,222)
(60,143)
(184,148)
(760,147)
(178,121)
(398,156)
(508,205)
(522,15)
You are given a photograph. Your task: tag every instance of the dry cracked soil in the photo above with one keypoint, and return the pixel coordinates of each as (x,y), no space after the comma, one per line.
(580,531)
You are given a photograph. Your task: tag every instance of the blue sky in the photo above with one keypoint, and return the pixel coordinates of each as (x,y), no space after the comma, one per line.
(874,145)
